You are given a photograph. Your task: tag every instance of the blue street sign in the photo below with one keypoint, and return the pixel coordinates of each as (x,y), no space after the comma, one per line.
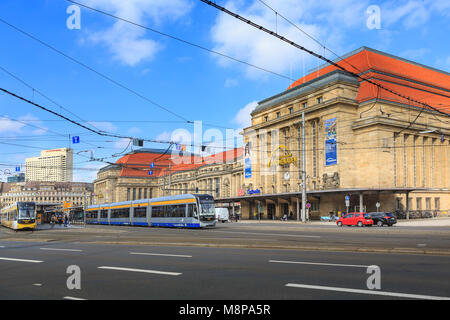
(17,169)
(76,139)
(347,198)
(152,165)
(150,172)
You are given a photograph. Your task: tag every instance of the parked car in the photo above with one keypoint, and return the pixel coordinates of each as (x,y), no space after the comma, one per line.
(382,218)
(359,219)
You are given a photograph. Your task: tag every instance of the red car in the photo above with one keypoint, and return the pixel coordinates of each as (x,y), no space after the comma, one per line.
(359,219)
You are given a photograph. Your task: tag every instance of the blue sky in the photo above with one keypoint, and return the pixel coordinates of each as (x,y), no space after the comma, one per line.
(190,82)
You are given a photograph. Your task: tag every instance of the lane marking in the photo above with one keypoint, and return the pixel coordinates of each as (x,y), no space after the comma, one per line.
(140,270)
(161,254)
(73,298)
(271,234)
(37,284)
(321,264)
(56,249)
(2,246)
(372,292)
(21,260)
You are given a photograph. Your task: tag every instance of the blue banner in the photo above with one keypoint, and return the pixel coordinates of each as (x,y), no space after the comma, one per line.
(330,142)
(248,168)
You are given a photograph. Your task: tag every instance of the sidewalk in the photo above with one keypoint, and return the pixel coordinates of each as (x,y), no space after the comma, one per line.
(431,222)
(47,226)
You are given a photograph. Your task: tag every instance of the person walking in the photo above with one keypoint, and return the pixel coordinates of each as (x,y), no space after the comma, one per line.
(65,220)
(52,221)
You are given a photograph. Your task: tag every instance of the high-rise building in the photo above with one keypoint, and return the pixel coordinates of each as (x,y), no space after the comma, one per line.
(54,165)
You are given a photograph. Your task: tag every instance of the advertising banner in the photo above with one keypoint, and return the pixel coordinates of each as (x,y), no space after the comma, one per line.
(330,142)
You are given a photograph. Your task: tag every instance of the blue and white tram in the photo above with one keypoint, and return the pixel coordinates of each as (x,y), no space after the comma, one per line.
(187,210)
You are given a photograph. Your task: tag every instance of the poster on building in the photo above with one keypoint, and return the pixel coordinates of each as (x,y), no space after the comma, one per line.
(330,142)
(248,168)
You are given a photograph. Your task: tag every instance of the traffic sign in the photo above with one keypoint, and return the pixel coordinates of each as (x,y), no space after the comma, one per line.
(76,139)
(150,172)
(347,197)
(17,169)
(308,205)
(152,165)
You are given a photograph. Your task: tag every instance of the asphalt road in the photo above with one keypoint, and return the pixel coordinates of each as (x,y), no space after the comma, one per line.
(232,261)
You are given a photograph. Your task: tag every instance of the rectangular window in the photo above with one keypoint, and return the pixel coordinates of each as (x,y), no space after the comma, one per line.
(278,114)
(266,118)
(128,194)
(134,193)
(145,193)
(140,193)
(437,204)
(419,203)
(291,109)
(428,203)
(104,214)
(305,104)
(120,213)
(140,212)
(319,100)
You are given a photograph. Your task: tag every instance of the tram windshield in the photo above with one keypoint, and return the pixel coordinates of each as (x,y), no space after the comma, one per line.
(206,205)
(26,210)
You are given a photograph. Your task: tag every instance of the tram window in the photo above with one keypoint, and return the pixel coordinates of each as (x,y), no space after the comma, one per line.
(140,212)
(104,214)
(192,210)
(179,210)
(157,212)
(120,213)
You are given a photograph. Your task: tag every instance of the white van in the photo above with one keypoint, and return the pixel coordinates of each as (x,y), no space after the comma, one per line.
(222,214)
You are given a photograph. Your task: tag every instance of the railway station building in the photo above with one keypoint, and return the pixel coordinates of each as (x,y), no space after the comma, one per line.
(379,150)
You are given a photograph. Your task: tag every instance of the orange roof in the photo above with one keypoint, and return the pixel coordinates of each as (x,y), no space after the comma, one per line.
(419,82)
(137,164)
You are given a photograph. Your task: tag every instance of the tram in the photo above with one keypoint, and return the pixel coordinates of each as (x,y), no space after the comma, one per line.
(187,210)
(19,216)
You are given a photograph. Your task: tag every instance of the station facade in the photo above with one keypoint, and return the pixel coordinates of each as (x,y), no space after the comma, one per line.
(362,142)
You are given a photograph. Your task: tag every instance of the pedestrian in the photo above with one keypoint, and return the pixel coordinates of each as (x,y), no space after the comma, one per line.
(65,220)
(52,221)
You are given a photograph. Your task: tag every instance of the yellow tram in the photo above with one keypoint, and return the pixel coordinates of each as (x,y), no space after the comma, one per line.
(19,216)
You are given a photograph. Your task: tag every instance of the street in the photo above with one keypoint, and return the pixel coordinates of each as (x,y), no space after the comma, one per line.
(232,261)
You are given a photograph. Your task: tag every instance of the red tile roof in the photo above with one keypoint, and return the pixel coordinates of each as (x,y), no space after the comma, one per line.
(408,78)
(138,164)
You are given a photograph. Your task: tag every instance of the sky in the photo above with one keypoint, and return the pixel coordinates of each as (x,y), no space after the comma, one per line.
(159,85)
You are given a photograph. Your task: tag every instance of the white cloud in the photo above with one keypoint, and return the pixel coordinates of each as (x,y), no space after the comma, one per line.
(231,83)
(19,125)
(243,118)
(103,126)
(322,21)
(166,136)
(8,125)
(127,42)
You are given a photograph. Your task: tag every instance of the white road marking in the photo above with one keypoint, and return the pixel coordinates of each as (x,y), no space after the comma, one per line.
(321,264)
(55,249)
(37,284)
(272,234)
(161,254)
(2,246)
(372,292)
(141,270)
(73,298)
(20,260)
